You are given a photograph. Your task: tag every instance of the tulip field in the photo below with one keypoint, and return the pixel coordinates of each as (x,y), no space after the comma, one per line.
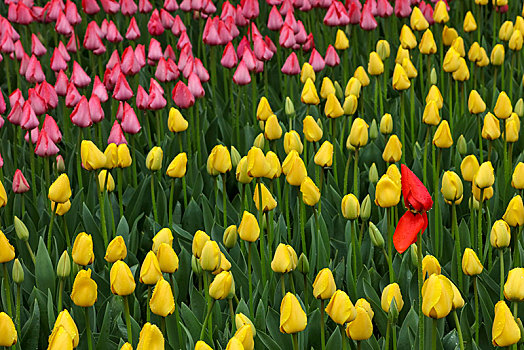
(261,174)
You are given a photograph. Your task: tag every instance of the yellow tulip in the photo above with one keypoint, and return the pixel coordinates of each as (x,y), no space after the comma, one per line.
(491,127)
(274,165)
(307,72)
(111,154)
(458,45)
(407,38)
(393,150)
(462,73)
(476,104)
(437,297)
(440,14)
(241,320)
(431,115)
(340,308)
(505,31)
(176,121)
(474,54)
(505,331)
(263,109)
(417,20)
(401,54)
(353,87)
(92,157)
(358,135)
(219,160)
(59,191)
(469,167)
(409,68)
(245,335)
(471,264)
(272,130)
(503,107)
(297,172)
(361,328)
(163,236)
(383,49)
(400,79)
(363,303)
(102,176)
(362,76)
(514,286)
(484,59)
(350,105)
(167,258)
(485,176)
(8,335)
(292,142)
(451,60)
(121,279)
(442,137)
(162,302)
(324,155)
(257,164)
(293,319)
(116,250)
(324,285)
(326,88)
(341,41)
(386,124)
(199,240)
(470,24)
(310,192)
(84,292)
(458,301)
(375,64)
(177,167)
(268,201)
(516,40)
(210,258)
(514,214)
(311,129)
(430,266)
(248,230)
(150,338)
(391,293)
(500,235)
(59,339)
(285,259)
(333,109)
(126,346)
(124,157)
(517,179)
(427,45)
(309,94)
(7,251)
(154,159)
(3,195)
(241,171)
(83,249)
(387,193)
(200,345)
(350,207)
(511,132)
(448,35)
(65,321)
(452,188)
(150,271)
(221,286)
(435,95)
(497,55)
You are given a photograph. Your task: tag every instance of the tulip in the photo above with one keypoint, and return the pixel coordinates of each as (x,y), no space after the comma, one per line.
(435,95)
(324,155)
(296,172)
(59,339)
(66,322)
(387,193)
(361,75)
(8,334)
(257,164)
(84,292)
(210,258)
(111,156)
(511,132)
(285,259)
(431,115)
(7,251)
(500,234)
(353,87)
(517,179)
(516,40)
(491,128)
(513,290)
(437,296)
(200,345)
(514,214)
(471,264)
(126,345)
(358,135)
(401,54)
(162,302)
(361,328)
(503,107)
(176,121)
(92,157)
(469,167)
(383,49)
(440,14)
(430,266)
(244,335)
(407,38)
(324,285)
(249,229)
(20,184)
(311,129)
(219,160)
(350,207)
(418,21)
(470,24)
(268,201)
(116,250)
(310,192)
(309,94)
(442,137)
(306,73)
(151,338)
(150,271)
(83,249)
(292,142)
(263,109)
(241,171)
(59,191)
(273,130)
(485,176)
(221,286)
(177,167)
(154,159)
(102,185)
(400,79)
(327,88)
(452,189)
(350,105)
(427,45)
(475,103)
(199,240)
(462,72)
(340,308)
(497,55)
(121,279)
(63,267)
(451,60)
(341,40)
(505,331)
(124,157)
(389,294)
(333,109)
(393,150)
(167,258)
(293,319)
(448,35)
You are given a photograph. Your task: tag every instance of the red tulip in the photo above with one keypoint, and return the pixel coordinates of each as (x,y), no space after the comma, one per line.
(291,66)
(183,41)
(48,94)
(22,15)
(274,21)
(332,59)
(188,69)
(287,37)
(20,184)
(154,26)
(116,135)
(81,115)
(182,96)
(128,7)
(416,196)
(229,56)
(408,227)
(210,33)
(172,70)
(384,8)
(95,108)
(99,90)
(184,57)
(130,123)
(250,8)
(71,13)
(57,61)
(45,147)
(194,86)
(144,6)
(249,59)
(90,7)
(15,115)
(142,98)
(79,77)
(122,90)
(178,26)
(110,7)
(120,111)
(402,8)
(63,26)
(133,32)
(185,5)
(170,5)
(61,84)
(51,128)
(367,21)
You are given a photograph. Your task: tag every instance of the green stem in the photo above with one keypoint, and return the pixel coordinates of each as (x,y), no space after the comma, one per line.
(425,158)
(455,234)
(177,313)
(128,320)
(101,200)
(319,238)
(88,330)
(346,175)
(283,284)
(269,219)
(133,164)
(303,223)
(389,218)
(412,114)
(50,231)
(79,162)
(479,224)
(343,336)
(18,303)
(60,293)
(184,190)
(31,251)
(394,332)
(322,326)
(388,332)
(479,129)
(148,309)
(262,239)
(477,324)
(354,248)
(171,196)
(294,338)
(502,273)
(153,199)
(232,315)
(250,277)
(7,290)
(208,314)
(355,174)
(434,335)
(120,194)
(402,126)
(459,330)
(420,282)
(286,200)
(224,198)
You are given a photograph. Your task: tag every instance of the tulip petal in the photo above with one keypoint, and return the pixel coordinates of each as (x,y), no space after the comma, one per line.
(416,195)
(407,229)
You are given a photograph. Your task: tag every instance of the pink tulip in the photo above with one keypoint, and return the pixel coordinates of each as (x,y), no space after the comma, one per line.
(249,59)
(142,98)
(99,90)
(45,147)
(133,32)
(229,56)
(144,6)
(154,26)
(48,94)
(37,48)
(182,96)
(129,65)
(116,135)
(384,8)
(113,35)
(92,39)
(188,69)
(73,96)
(402,8)
(309,44)
(242,76)
(113,60)
(120,111)
(166,19)
(128,7)
(291,66)
(79,77)
(155,50)
(24,63)
(113,76)
(51,128)
(61,84)
(130,123)
(71,13)
(122,90)
(367,21)
(36,101)
(170,5)
(63,51)
(29,120)
(140,55)
(183,41)
(16,96)
(63,26)
(332,59)
(195,86)
(291,21)
(274,21)
(34,73)
(178,26)
(354,8)
(95,108)
(20,184)
(156,97)
(210,33)
(81,115)
(2,104)
(57,61)
(72,46)
(250,8)
(287,37)
(301,35)
(427,11)
(90,7)
(110,7)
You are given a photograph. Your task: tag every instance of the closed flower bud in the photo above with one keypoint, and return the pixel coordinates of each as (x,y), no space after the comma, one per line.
(500,235)
(430,266)
(242,320)
(102,185)
(324,155)
(150,271)
(440,14)
(462,146)
(274,165)
(60,190)
(471,264)
(469,167)
(350,105)
(167,258)
(386,124)
(433,76)
(248,230)
(63,268)
(273,130)
(235,156)
(303,264)
(163,236)
(311,129)
(257,164)
(366,208)
(435,95)
(458,45)
(219,161)
(124,157)
(92,157)
(458,301)
(514,214)
(442,137)
(162,302)
(383,49)
(391,294)
(195,266)
(519,108)
(474,53)
(66,322)
(326,88)
(511,132)
(401,54)
(310,192)
(503,107)
(427,45)
(296,172)
(307,72)
(516,40)
(263,109)
(505,331)
(362,76)
(154,159)
(514,286)
(333,109)
(497,55)
(387,193)
(452,189)
(116,250)
(83,249)
(341,41)
(151,338)
(451,60)
(21,229)
(417,20)
(244,335)
(350,207)
(358,136)
(409,68)
(448,35)
(241,171)
(491,127)
(121,279)
(517,179)
(485,176)
(309,94)
(199,240)
(111,154)
(462,73)
(126,346)
(407,38)
(268,201)
(18,272)
(338,90)
(431,115)
(373,130)
(176,121)
(353,87)
(505,31)
(324,285)
(84,292)
(8,335)
(437,297)
(221,286)
(59,339)
(470,24)
(484,59)
(292,141)
(373,174)
(376,237)
(59,164)
(230,236)
(210,258)
(361,328)
(289,108)
(293,319)
(400,79)
(177,167)
(375,64)
(340,308)
(285,259)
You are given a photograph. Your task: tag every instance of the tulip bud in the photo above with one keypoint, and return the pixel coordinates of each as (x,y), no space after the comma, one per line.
(289,108)
(469,167)
(373,173)
(437,297)
(310,192)
(332,108)
(235,157)
(350,207)
(303,264)
(485,176)
(387,193)
(469,24)
(293,319)
(242,320)
(471,264)
(362,76)
(340,308)
(63,268)
(221,286)
(60,190)
(350,105)
(519,108)
(154,159)
(430,266)
(341,40)
(210,258)
(21,229)
(505,331)
(338,91)
(500,235)
(18,272)
(413,253)
(85,291)
(358,135)
(393,312)
(375,235)
(324,285)
(391,295)
(176,121)
(307,72)
(497,55)
(517,179)
(195,266)
(514,214)
(462,146)
(393,150)
(383,49)
(263,109)
(452,187)
(386,124)
(116,250)
(442,137)
(150,270)
(108,186)
(433,76)
(365,208)
(82,251)
(373,130)
(259,141)
(59,164)
(230,236)
(309,93)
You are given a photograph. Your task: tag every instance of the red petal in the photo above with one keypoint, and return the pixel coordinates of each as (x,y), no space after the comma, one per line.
(408,227)
(415,194)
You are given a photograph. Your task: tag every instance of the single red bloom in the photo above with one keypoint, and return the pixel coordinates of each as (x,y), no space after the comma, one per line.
(409,225)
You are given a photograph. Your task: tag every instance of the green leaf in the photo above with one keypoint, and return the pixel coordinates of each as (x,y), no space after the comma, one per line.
(44,271)
(31,329)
